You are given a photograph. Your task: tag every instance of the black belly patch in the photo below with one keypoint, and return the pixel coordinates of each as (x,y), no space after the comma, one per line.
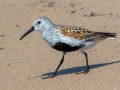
(65,47)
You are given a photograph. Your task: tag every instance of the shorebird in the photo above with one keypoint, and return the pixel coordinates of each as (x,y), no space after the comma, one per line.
(68,38)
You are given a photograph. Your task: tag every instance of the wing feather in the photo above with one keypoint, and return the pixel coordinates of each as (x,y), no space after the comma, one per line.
(81,33)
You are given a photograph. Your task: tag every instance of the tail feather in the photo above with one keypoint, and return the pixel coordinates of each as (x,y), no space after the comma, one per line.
(106,34)
(98,36)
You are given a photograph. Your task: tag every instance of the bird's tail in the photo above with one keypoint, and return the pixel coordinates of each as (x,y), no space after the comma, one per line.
(106,35)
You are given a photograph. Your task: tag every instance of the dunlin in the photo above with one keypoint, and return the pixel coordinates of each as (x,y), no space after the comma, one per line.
(67,38)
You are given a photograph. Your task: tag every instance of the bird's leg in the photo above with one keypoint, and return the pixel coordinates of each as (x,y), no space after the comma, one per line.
(87,65)
(54,74)
(62,60)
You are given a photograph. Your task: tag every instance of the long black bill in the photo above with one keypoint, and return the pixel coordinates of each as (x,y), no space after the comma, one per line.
(29,31)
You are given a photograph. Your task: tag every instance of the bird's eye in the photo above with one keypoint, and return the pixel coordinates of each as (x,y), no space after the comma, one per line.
(39,22)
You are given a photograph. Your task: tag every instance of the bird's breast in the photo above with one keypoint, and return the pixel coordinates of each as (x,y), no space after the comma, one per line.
(51,37)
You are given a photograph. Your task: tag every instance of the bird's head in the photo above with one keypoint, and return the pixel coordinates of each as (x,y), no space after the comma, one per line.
(40,24)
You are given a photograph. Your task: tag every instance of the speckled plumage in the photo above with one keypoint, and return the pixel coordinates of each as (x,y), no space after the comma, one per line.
(74,31)
(67,38)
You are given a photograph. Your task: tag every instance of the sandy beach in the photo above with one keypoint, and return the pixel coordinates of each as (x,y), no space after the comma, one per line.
(24,63)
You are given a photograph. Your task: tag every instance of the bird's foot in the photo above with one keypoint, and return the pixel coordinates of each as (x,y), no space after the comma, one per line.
(85,72)
(52,76)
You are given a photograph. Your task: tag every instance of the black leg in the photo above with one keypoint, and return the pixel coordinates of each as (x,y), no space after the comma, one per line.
(62,60)
(87,65)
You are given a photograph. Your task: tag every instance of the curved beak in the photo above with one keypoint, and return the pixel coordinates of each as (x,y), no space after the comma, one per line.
(29,31)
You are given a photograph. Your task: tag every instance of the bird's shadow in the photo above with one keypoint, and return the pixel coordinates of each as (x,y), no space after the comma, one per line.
(75,69)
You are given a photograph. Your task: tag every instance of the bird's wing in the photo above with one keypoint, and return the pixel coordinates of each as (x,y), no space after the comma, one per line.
(75,32)
(81,33)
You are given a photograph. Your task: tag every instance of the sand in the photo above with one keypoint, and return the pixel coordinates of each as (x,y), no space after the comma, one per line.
(22,63)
